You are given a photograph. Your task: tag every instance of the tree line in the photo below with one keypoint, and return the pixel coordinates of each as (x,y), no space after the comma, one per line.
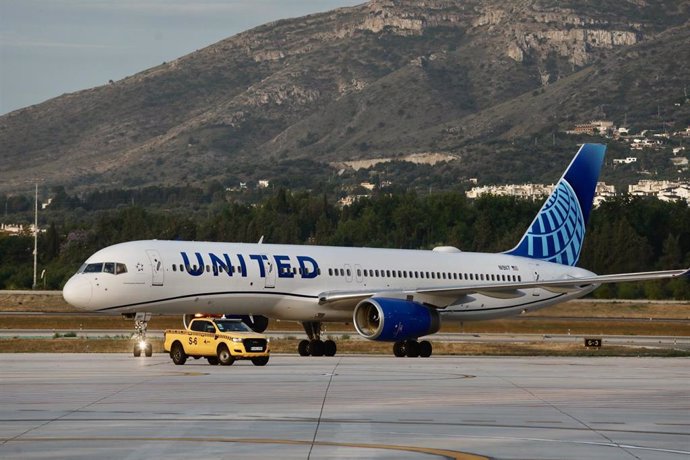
(624,235)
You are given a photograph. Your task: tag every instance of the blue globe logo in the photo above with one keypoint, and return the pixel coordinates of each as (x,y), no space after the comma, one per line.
(556,235)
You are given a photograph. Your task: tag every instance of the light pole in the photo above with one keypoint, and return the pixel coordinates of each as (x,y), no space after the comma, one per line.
(35,236)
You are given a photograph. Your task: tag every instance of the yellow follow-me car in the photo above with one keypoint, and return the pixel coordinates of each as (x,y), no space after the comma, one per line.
(220,341)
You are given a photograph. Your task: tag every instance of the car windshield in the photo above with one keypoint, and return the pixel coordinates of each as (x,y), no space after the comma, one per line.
(229,325)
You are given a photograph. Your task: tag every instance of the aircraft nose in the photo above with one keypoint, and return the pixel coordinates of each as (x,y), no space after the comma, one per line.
(77,292)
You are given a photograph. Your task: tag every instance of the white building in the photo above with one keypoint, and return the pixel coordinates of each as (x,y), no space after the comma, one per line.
(17,229)
(682,192)
(624,161)
(350,199)
(650,187)
(522,190)
(603,192)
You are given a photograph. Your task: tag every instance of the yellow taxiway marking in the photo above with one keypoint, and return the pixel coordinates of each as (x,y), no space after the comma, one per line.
(443,453)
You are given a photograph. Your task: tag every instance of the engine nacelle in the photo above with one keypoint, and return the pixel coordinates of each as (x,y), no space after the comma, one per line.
(384,319)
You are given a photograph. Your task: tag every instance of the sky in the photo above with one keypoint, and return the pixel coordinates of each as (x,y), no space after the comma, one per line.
(52,47)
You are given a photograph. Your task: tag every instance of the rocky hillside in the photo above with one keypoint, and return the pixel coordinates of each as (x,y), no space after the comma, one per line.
(386,78)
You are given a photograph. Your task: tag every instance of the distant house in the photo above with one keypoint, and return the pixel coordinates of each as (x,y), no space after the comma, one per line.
(521,190)
(651,187)
(593,127)
(18,229)
(626,161)
(603,192)
(263,184)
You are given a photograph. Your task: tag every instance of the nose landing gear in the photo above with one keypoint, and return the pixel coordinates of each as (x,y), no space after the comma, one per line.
(141,345)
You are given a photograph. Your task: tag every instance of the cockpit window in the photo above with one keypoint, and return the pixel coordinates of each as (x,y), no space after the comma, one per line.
(114,268)
(93,268)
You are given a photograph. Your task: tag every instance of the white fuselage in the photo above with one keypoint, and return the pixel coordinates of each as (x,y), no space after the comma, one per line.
(287,281)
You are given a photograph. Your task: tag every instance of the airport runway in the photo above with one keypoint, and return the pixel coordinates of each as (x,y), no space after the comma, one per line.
(117,406)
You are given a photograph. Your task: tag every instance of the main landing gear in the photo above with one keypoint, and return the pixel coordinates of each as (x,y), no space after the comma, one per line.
(315,346)
(412,349)
(141,324)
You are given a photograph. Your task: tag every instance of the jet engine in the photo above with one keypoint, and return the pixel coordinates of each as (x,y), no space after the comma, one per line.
(392,320)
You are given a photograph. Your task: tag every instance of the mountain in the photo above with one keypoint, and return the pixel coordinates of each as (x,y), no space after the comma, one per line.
(383,79)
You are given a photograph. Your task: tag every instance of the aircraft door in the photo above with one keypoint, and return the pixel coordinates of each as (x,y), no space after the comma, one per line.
(358,273)
(270,273)
(534,272)
(348,273)
(157,269)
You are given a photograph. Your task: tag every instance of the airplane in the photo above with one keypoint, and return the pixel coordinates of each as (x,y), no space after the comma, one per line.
(391,295)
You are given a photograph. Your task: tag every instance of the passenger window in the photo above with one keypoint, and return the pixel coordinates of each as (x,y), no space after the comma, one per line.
(349,273)
(174,267)
(330,272)
(208,269)
(109,267)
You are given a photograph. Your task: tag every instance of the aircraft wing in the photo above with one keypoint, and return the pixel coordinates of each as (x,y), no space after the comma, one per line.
(503,290)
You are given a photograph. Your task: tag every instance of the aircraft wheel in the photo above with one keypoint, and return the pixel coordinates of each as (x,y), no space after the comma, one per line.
(412,348)
(137,350)
(148,351)
(260,361)
(303,348)
(213,360)
(329,348)
(224,356)
(425,349)
(316,347)
(177,354)
(399,349)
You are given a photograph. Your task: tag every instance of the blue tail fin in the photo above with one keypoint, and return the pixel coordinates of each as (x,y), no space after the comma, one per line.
(558,231)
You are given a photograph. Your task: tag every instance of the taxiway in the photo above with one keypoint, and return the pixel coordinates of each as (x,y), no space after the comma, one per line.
(117,406)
